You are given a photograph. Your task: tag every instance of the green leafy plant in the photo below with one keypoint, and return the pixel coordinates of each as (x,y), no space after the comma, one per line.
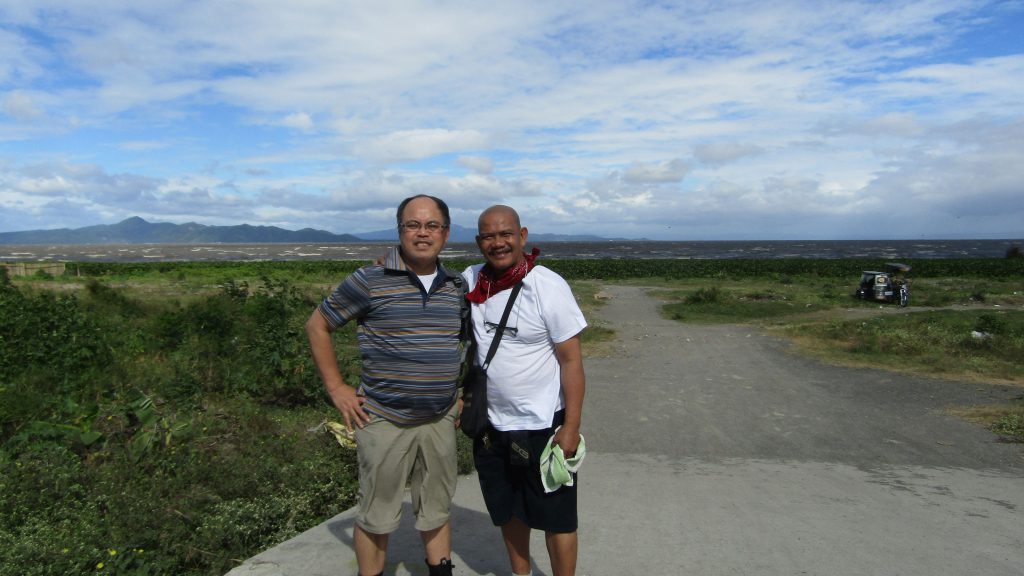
(153,429)
(1011,426)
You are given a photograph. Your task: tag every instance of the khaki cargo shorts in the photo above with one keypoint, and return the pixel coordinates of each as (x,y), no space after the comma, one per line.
(392,457)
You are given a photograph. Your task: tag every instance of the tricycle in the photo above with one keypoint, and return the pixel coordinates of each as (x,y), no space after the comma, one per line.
(892,285)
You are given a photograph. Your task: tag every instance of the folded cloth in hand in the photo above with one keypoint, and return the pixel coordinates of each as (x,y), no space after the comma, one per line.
(555,470)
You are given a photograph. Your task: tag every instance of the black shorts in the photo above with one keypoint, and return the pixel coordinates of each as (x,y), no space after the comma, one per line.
(511,485)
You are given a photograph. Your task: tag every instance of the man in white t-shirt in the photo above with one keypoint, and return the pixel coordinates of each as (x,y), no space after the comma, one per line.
(535,391)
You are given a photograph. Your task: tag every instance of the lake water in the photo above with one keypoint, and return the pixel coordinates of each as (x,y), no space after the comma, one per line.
(632,249)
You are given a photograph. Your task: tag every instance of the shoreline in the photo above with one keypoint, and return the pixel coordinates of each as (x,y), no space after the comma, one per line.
(560,250)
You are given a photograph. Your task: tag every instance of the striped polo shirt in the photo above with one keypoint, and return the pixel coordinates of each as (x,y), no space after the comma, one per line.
(408,338)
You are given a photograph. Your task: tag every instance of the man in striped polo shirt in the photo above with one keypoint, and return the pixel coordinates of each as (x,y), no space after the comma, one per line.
(409,313)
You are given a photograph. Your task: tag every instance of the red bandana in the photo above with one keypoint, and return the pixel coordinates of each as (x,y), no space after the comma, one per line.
(487,285)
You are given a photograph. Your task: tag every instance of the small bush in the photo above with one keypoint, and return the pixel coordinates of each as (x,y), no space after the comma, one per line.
(992,324)
(712,295)
(110,300)
(1011,426)
(53,338)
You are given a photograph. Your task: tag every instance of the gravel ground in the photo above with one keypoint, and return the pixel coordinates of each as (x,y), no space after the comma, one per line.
(727,391)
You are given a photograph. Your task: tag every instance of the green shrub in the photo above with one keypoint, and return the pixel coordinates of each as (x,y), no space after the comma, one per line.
(992,324)
(712,295)
(132,432)
(48,523)
(1010,425)
(104,294)
(276,364)
(56,362)
(243,478)
(48,332)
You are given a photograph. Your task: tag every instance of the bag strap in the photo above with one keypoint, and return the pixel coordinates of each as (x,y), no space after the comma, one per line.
(465,326)
(501,327)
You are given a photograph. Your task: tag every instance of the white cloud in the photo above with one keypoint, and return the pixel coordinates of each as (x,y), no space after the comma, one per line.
(718,153)
(477,164)
(20,106)
(299,121)
(419,144)
(980,177)
(671,171)
(142,145)
(591,110)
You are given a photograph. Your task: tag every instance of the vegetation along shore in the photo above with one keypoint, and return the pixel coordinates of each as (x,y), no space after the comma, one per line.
(166,418)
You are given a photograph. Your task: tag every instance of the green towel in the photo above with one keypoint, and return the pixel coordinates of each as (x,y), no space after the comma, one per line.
(555,470)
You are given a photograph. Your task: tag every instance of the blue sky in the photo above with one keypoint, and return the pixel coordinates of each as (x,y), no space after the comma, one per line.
(688,120)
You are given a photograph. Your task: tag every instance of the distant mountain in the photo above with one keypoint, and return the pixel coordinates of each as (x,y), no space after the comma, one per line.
(135,230)
(463,234)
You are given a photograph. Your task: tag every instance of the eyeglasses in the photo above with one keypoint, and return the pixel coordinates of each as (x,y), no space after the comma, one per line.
(490,327)
(415,226)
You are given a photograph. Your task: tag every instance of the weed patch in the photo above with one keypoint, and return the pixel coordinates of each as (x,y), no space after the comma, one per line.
(952,343)
(713,304)
(1010,426)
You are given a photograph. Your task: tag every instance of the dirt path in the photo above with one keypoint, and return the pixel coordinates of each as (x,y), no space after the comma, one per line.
(717,392)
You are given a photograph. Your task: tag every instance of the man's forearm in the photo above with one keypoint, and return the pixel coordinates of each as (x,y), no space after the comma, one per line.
(573,381)
(345,398)
(573,389)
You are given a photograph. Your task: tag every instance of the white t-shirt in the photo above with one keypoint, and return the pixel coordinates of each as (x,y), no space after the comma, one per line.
(427,280)
(524,381)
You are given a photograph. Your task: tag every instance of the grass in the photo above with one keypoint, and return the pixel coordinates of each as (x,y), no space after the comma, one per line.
(978,345)
(597,336)
(936,292)
(1007,421)
(741,301)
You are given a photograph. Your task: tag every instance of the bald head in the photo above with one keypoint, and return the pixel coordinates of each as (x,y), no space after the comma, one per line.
(507,212)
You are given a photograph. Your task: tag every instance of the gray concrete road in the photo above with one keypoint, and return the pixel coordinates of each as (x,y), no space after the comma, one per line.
(714,451)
